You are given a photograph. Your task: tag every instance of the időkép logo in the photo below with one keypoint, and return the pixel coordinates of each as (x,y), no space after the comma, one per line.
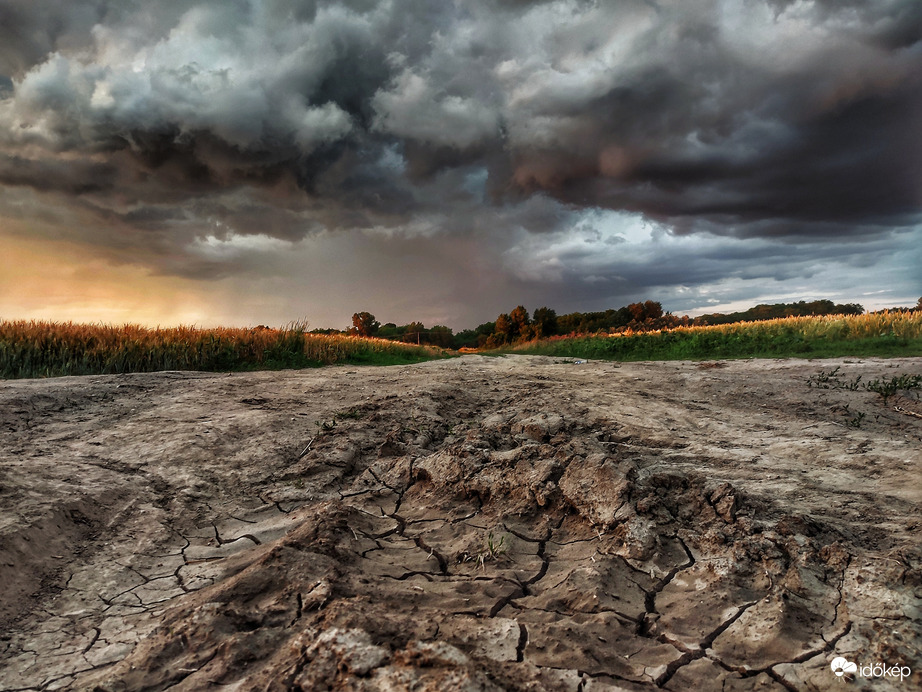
(842,666)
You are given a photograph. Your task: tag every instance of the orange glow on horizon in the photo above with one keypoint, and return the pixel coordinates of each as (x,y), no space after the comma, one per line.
(59,281)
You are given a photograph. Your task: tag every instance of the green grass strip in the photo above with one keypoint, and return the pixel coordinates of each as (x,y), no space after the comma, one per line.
(885,335)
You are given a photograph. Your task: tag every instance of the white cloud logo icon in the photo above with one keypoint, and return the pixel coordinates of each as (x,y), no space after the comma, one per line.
(840,666)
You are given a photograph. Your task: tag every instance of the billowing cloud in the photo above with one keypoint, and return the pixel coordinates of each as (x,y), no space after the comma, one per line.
(194,134)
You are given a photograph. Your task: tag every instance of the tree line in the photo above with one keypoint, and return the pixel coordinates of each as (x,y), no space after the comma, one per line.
(518,325)
(515,326)
(776,310)
(367,325)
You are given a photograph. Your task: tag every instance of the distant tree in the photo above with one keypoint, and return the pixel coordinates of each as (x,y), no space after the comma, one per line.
(388,331)
(545,322)
(505,329)
(819,307)
(484,332)
(466,338)
(414,333)
(648,310)
(637,311)
(776,310)
(474,337)
(569,323)
(919,304)
(440,335)
(486,328)
(652,310)
(520,320)
(365,324)
(526,333)
(495,340)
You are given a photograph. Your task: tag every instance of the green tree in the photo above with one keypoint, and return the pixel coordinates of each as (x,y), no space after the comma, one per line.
(365,324)
(440,335)
(414,333)
(388,331)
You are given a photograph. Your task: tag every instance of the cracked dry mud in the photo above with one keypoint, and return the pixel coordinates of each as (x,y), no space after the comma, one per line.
(472,524)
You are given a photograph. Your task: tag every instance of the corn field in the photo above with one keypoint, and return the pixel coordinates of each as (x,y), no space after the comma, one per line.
(885,334)
(51,349)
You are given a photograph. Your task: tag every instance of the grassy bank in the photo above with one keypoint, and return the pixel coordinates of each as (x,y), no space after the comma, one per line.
(51,349)
(883,334)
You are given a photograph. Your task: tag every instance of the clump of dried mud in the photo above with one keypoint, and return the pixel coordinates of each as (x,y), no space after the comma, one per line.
(515,523)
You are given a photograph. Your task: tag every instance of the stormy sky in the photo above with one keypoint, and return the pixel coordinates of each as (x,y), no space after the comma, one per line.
(259,161)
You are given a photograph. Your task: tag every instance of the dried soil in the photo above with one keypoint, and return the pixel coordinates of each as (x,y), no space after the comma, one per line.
(518,523)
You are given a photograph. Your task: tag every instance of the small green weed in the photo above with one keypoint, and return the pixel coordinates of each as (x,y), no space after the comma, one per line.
(822,379)
(887,388)
(884,387)
(495,548)
(855,421)
(828,380)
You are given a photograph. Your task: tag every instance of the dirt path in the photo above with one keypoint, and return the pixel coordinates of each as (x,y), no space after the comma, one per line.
(471,524)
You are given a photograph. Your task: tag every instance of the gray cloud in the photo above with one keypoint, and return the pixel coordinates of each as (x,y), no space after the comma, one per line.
(173,123)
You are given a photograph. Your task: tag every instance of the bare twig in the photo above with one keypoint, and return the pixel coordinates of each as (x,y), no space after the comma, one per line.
(306,449)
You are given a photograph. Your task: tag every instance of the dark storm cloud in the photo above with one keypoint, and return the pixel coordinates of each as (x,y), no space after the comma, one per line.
(195,119)
(76,178)
(33,29)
